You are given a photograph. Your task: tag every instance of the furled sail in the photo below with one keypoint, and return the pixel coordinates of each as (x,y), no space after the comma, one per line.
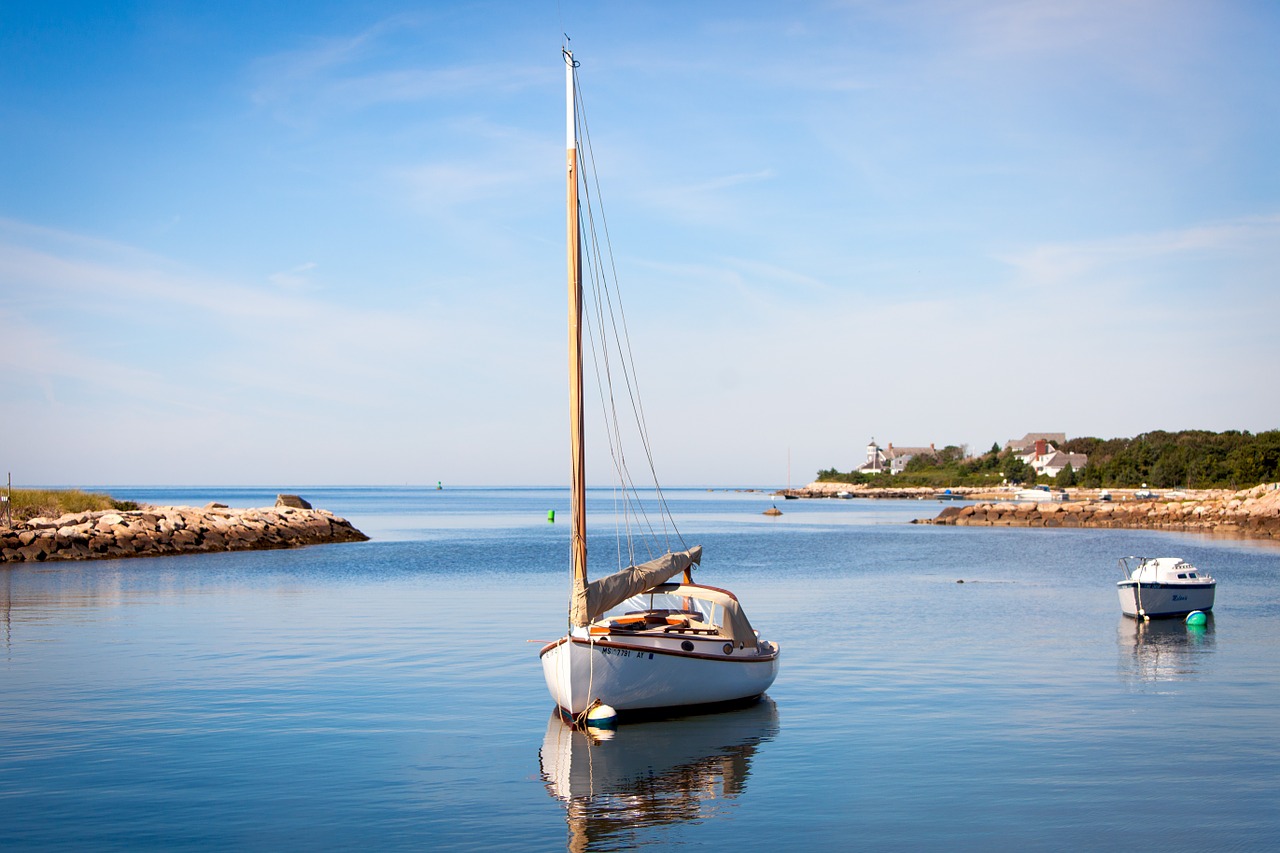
(593,600)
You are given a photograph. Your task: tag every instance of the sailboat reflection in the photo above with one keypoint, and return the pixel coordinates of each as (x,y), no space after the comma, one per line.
(651,774)
(1163,650)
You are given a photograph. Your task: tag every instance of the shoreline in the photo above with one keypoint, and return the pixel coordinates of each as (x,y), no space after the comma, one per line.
(165,531)
(824,490)
(1252,514)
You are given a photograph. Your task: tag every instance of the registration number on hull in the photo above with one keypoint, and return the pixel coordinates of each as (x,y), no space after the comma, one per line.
(625,653)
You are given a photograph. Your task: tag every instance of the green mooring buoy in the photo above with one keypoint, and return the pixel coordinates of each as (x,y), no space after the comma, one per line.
(551,516)
(1196,618)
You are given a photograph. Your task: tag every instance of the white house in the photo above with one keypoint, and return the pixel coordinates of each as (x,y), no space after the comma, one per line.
(891,459)
(1046,459)
(1028,441)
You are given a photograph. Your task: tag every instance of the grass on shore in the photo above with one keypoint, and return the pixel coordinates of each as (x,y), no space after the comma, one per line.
(51,503)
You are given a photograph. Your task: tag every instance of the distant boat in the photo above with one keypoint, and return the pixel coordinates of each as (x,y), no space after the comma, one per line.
(1039,493)
(637,641)
(1163,586)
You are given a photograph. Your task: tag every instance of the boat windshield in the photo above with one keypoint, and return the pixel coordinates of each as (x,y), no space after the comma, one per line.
(671,603)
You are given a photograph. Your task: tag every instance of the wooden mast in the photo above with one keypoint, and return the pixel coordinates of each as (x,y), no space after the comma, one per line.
(578,484)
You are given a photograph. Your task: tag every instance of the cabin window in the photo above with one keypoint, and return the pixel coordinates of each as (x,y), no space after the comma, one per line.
(1183,576)
(1192,575)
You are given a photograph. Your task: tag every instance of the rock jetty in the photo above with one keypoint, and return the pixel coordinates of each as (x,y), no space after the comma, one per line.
(155,531)
(819,489)
(1251,513)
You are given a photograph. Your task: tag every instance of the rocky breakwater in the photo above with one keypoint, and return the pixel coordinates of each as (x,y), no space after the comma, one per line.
(154,531)
(1251,513)
(819,489)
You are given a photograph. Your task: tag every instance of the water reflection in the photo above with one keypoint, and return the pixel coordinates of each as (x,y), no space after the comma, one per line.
(1163,649)
(651,774)
(6,606)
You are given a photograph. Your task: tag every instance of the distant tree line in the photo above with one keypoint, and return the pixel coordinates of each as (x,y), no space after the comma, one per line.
(1191,459)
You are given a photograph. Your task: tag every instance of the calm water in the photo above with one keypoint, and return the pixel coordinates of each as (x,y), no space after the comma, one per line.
(385,695)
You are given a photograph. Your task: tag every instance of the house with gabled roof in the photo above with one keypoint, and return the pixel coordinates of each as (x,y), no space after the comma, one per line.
(891,459)
(1047,459)
(1028,441)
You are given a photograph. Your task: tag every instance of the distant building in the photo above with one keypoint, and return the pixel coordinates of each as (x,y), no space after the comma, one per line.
(891,459)
(877,462)
(1046,459)
(1028,441)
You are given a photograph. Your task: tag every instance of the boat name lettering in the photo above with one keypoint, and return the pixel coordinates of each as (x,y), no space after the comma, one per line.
(625,653)
(1179,598)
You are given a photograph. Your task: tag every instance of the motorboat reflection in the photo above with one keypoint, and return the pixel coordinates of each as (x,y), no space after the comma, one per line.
(1163,650)
(651,774)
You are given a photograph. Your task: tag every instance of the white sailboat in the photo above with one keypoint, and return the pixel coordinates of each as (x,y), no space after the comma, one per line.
(639,640)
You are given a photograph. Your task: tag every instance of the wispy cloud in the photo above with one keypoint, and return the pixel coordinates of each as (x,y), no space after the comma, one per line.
(709,200)
(389,62)
(1251,240)
(295,278)
(73,283)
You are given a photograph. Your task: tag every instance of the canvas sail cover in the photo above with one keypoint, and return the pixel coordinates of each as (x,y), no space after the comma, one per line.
(593,600)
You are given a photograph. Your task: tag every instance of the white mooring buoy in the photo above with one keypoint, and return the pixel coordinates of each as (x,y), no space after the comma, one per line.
(601,716)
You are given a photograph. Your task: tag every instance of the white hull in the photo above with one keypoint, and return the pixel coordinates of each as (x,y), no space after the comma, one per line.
(1160,599)
(631,677)
(1038,495)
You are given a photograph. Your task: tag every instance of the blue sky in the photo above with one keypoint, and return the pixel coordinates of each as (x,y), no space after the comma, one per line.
(310,243)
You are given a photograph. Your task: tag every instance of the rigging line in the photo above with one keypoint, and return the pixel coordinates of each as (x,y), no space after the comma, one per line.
(613,440)
(623,339)
(626,352)
(605,297)
(600,386)
(602,296)
(602,356)
(633,507)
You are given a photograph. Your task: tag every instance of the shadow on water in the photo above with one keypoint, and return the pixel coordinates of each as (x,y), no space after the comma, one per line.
(1163,649)
(619,785)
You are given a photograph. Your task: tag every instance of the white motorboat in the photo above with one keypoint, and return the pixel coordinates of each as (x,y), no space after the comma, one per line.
(1163,586)
(1039,494)
(637,640)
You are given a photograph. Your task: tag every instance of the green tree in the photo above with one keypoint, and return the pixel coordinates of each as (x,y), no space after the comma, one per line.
(1090,476)
(1017,471)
